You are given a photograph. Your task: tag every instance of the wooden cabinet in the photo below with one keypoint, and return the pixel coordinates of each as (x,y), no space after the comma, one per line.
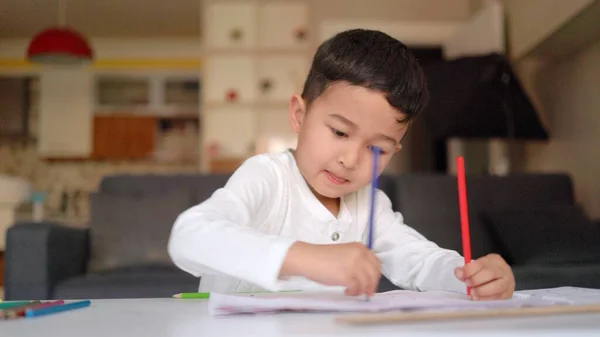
(124,137)
(165,94)
(65,115)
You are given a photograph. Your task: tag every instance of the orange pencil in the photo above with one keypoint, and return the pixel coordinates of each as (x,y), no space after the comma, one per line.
(464,211)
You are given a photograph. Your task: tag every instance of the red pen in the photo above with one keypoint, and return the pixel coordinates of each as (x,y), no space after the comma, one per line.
(464,211)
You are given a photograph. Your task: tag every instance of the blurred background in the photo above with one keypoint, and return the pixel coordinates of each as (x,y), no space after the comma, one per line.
(193,88)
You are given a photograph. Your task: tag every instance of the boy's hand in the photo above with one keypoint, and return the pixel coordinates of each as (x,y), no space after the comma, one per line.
(351,265)
(489,277)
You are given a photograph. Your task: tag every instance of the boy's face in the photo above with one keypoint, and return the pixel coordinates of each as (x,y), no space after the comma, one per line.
(336,133)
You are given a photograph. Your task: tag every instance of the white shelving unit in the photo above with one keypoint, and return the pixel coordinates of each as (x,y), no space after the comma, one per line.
(256,56)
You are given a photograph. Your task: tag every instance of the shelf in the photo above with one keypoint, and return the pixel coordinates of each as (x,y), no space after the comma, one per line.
(241,105)
(181,114)
(262,52)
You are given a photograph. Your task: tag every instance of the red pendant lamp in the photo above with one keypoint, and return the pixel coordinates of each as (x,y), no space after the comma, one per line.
(59,45)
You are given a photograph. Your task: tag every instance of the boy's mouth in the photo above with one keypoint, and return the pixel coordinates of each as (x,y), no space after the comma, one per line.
(335,179)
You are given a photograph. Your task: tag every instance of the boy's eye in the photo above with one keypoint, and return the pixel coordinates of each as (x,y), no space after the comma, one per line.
(338,133)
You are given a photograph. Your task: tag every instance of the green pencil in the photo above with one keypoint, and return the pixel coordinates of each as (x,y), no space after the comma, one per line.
(187,296)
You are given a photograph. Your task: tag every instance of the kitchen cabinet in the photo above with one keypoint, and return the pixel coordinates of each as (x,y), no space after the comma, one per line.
(65,112)
(14,107)
(124,137)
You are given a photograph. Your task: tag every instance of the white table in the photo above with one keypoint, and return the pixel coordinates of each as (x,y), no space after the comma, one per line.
(181,318)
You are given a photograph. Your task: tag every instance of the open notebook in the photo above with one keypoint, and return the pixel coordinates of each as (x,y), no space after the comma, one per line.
(398,300)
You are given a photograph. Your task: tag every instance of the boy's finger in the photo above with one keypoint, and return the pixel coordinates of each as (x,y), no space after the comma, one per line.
(374,275)
(484,276)
(489,290)
(363,278)
(352,288)
(503,296)
(468,270)
(370,280)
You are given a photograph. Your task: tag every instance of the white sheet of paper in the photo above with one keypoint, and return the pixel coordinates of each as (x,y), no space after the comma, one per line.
(228,304)
(559,295)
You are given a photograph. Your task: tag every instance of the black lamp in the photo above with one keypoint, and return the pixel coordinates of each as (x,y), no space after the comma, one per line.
(479,97)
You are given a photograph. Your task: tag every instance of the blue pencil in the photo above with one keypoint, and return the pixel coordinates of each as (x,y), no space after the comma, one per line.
(56,308)
(376,152)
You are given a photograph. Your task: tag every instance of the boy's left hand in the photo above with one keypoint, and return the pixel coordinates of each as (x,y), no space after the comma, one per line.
(489,277)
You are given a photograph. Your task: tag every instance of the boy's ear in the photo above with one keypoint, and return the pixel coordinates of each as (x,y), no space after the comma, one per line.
(297,113)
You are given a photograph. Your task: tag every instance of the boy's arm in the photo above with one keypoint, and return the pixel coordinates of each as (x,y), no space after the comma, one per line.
(221,234)
(408,259)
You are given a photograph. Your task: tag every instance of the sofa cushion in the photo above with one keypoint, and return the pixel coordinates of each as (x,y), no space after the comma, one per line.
(129,282)
(552,276)
(205,186)
(429,204)
(132,230)
(200,186)
(556,234)
(526,190)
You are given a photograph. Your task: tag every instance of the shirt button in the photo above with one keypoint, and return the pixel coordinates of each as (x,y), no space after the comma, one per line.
(335,236)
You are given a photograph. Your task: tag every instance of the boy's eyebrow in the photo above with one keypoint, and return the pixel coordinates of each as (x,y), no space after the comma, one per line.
(343,120)
(353,125)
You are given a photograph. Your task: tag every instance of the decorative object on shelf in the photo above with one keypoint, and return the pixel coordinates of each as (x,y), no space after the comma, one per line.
(236,34)
(60,44)
(266,85)
(213,149)
(300,34)
(231,95)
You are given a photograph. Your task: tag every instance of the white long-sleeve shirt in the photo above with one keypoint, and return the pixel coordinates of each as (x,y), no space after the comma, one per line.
(238,239)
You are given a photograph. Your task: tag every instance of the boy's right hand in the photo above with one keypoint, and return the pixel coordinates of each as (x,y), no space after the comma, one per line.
(351,265)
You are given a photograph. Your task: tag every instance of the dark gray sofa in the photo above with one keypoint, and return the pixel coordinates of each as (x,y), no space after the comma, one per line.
(532,220)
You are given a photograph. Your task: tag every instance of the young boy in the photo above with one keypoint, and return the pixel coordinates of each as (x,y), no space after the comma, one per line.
(296,220)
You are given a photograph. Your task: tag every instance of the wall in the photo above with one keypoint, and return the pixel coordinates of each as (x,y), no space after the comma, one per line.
(400,10)
(532,21)
(567,93)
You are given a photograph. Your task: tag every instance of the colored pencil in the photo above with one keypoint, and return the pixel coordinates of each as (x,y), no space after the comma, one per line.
(12,304)
(376,153)
(464,211)
(20,310)
(189,296)
(29,313)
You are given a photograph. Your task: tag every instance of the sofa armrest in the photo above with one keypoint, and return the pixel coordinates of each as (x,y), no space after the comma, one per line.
(39,255)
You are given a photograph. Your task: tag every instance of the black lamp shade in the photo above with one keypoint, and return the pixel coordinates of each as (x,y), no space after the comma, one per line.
(479,97)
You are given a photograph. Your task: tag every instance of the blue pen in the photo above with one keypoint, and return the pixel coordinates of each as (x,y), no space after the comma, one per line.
(29,313)
(376,152)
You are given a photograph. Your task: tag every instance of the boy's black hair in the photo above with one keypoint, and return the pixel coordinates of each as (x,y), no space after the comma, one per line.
(370,59)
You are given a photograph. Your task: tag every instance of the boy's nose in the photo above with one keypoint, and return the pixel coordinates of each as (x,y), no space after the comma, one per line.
(350,158)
